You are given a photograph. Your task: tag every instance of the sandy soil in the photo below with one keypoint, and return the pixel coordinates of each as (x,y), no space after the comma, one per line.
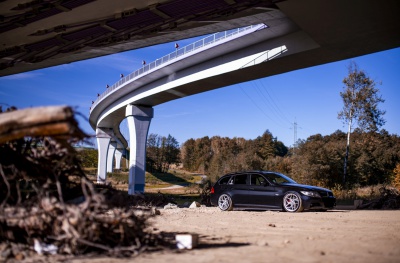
(248,236)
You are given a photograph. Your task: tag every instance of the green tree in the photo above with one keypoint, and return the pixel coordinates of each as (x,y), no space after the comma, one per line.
(161,152)
(360,105)
(171,152)
(88,157)
(188,155)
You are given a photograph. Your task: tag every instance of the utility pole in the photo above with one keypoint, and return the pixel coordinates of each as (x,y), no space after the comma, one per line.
(295,132)
(294,135)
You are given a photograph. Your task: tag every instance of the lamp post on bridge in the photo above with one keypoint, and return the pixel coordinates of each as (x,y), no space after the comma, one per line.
(176,50)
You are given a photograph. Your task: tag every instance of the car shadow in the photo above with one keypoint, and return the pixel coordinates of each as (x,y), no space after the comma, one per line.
(221,245)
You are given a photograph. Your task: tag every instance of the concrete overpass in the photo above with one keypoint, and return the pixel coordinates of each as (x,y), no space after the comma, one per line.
(174,76)
(37,34)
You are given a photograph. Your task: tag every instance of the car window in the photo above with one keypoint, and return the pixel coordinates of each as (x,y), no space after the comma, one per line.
(240,179)
(279,178)
(224,180)
(257,179)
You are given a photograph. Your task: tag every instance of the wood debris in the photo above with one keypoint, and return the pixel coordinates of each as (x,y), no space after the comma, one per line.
(389,199)
(40,183)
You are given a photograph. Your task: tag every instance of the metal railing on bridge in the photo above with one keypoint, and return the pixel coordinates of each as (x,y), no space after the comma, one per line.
(179,52)
(266,56)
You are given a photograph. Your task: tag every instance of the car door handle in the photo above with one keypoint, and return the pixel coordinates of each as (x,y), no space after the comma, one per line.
(251,188)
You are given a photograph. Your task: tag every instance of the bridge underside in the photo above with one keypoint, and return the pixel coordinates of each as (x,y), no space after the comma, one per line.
(40,34)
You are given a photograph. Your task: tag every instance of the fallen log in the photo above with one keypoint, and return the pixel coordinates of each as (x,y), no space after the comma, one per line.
(41,121)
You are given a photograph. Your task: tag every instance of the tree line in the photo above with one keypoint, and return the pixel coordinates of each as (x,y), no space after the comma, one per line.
(374,157)
(317,160)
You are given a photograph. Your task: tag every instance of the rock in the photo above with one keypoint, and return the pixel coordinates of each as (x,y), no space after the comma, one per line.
(155,211)
(170,206)
(6,253)
(194,205)
(262,243)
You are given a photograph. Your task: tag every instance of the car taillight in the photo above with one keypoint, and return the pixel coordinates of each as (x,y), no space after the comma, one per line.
(212,190)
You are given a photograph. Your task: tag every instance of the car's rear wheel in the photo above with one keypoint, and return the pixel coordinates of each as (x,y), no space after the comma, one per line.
(225,202)
(292,202)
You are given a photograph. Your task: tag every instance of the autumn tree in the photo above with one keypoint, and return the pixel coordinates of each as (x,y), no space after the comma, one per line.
(396,180)
(188,155)
(360,105)
(161,152)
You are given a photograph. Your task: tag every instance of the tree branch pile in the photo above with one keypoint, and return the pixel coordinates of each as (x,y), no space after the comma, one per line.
(389,199)
(47,203)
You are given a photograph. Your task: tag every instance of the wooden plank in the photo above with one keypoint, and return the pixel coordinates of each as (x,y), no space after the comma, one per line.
(40,121)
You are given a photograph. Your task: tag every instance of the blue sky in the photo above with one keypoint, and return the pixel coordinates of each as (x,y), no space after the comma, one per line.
(309,96)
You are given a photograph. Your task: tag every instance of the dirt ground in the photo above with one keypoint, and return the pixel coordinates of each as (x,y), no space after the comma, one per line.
(249,236)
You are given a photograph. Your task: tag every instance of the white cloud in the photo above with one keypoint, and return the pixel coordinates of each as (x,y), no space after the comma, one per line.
(120,62)
(26,75)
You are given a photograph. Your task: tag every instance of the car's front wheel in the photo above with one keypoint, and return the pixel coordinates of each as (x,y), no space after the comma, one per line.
(225,202)
(292,202)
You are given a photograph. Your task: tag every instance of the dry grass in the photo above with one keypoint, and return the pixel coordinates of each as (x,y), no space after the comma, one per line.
(156,182)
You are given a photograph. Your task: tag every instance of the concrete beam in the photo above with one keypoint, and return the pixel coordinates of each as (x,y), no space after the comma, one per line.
(103,136)
(139,118)
(118,157)
(110,156)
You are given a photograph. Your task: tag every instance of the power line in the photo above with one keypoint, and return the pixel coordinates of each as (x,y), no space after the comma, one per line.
(294,135)
(278,110)
(255,104)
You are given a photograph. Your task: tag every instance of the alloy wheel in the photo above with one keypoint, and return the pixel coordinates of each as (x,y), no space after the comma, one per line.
(225,202)
(292,202)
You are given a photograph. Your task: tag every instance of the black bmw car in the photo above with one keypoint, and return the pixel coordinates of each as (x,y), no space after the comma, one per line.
(265,190)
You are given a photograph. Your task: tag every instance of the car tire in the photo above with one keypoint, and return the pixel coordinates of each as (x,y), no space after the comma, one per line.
(225,202)
(292,202)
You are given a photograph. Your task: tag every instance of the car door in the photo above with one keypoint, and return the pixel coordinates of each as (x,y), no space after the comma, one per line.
(261,192)
(239,189)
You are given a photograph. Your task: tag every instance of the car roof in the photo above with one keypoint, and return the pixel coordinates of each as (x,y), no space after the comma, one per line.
(250,171)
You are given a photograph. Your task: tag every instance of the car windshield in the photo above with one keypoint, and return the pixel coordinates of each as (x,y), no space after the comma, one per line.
(278,178)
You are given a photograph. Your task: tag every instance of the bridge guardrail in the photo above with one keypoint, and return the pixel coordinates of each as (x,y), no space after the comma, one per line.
(267,55)
(173,55)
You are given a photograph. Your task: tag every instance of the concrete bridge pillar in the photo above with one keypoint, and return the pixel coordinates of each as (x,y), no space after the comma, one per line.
(139,118)
(103,136)
(110,156)
(118,157)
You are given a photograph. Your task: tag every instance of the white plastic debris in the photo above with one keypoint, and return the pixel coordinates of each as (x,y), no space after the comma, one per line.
(187,241)
(170,206)
(194,204)
(42,248)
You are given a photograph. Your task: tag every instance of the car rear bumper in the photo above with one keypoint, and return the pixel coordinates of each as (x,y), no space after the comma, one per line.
(214,199)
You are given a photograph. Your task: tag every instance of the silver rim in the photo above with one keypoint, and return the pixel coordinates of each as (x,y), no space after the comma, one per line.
(291,202)
(224,202)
